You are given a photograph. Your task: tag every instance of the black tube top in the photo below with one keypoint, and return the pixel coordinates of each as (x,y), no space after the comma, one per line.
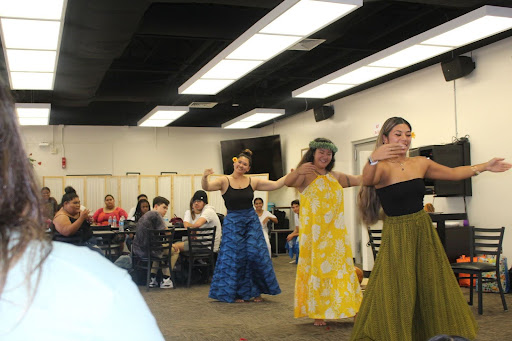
(238,199)
(402,198)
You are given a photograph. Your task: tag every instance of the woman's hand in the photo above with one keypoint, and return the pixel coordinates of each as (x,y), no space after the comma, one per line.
(265,221)
(84,214)
(388,151)
(497,165)
(306,168)
(208,171)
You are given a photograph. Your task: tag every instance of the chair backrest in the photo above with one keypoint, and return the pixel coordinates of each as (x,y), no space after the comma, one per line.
(159,240)
(486,242)
(201,240)
(375,235)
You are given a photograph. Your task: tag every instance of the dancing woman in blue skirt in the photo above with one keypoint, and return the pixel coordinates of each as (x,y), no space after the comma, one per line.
(244,268)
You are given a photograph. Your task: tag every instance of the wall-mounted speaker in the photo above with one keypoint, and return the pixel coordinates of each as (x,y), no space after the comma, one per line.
(457,67)
(323,113)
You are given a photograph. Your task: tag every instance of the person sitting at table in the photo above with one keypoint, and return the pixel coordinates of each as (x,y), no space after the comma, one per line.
(71,225)
(50,205)
(264,217)
(102,215)
(292,240)
(69,190)
(142,208)
(132,211)
(51,290)
(153,220)
(201,214)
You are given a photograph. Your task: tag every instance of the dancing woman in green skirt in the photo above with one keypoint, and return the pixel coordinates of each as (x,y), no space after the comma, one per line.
(412,293)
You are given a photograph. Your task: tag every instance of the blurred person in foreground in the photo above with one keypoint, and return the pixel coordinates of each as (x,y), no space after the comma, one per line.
(50,291)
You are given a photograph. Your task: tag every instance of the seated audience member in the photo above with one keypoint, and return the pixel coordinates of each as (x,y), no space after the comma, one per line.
(153,220)
(102,215)
(69,190)
(142,208)
(72,225)
(50,290)
(293,238)
(201,215)
(264,217)
(131,214)
(50,205)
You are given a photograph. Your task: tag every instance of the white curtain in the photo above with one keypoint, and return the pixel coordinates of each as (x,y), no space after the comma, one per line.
(78,183)
(181,194)
(164,190)
(129,188)
(94,195)
(148,186)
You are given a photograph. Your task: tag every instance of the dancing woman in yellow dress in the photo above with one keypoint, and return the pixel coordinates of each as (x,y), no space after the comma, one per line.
(326,285)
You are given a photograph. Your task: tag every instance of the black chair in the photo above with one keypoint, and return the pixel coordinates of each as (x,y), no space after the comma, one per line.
(159,251)
(200,250)
(111,249)
(482,242)
(375,235)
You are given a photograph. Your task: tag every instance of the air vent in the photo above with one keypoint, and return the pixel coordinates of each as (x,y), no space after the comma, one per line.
(306,44)
(202,105)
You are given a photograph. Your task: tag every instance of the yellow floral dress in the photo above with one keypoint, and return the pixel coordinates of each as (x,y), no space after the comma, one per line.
(326,286)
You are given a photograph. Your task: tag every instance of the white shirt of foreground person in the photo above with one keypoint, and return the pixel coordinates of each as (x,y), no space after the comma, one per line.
(80,296)
(264,215)
(212,219)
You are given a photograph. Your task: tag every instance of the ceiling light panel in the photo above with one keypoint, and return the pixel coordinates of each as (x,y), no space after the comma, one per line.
(473,26)
(471,32)
(30,34)
(33,113)
(253,117)
(363,75)
(31,80)
(232,69)
(31,60)
(263,47)
(287,24)
(307,17)
(207,86)
(34,9)
(162,115)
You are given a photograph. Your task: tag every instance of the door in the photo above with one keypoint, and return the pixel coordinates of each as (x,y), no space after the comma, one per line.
(363,252)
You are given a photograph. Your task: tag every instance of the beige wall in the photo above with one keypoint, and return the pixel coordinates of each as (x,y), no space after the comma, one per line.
(483,102)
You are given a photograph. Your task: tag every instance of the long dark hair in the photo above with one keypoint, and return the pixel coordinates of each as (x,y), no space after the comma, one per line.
(21,215)
(310,155)
(138,209)
(368,202)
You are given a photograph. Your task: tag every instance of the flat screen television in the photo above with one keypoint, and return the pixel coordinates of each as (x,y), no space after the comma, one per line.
(266,155)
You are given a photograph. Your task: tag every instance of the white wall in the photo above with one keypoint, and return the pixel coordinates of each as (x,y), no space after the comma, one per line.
(424,98)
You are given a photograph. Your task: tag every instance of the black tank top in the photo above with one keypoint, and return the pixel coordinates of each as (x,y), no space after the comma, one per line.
(402,198)
(238,199)
(84,232)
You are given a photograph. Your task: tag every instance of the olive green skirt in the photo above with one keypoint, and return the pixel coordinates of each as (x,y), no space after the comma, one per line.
(412,293)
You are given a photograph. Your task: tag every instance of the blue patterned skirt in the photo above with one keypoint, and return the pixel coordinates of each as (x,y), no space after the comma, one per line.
(244,268)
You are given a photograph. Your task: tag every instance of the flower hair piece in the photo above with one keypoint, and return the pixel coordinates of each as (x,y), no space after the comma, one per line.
(235,159)
(323,145)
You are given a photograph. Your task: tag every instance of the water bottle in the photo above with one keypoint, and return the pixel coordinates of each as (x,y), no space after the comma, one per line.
(114,221)
(110,221)
(166,221)
(121,224)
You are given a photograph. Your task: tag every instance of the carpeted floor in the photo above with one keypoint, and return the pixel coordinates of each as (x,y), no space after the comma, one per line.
(188,314)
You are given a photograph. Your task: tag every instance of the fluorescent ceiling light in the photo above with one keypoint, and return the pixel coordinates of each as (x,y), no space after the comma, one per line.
(207,86)
(363,75)
(162,115)
(34,9)
(30,34)
(478,24)
(33,113)
(411,55)
(324,90)
(307,17)
(284,26)
(263,47)
(31,60)
(31,80)
(232,69)
(252,118)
